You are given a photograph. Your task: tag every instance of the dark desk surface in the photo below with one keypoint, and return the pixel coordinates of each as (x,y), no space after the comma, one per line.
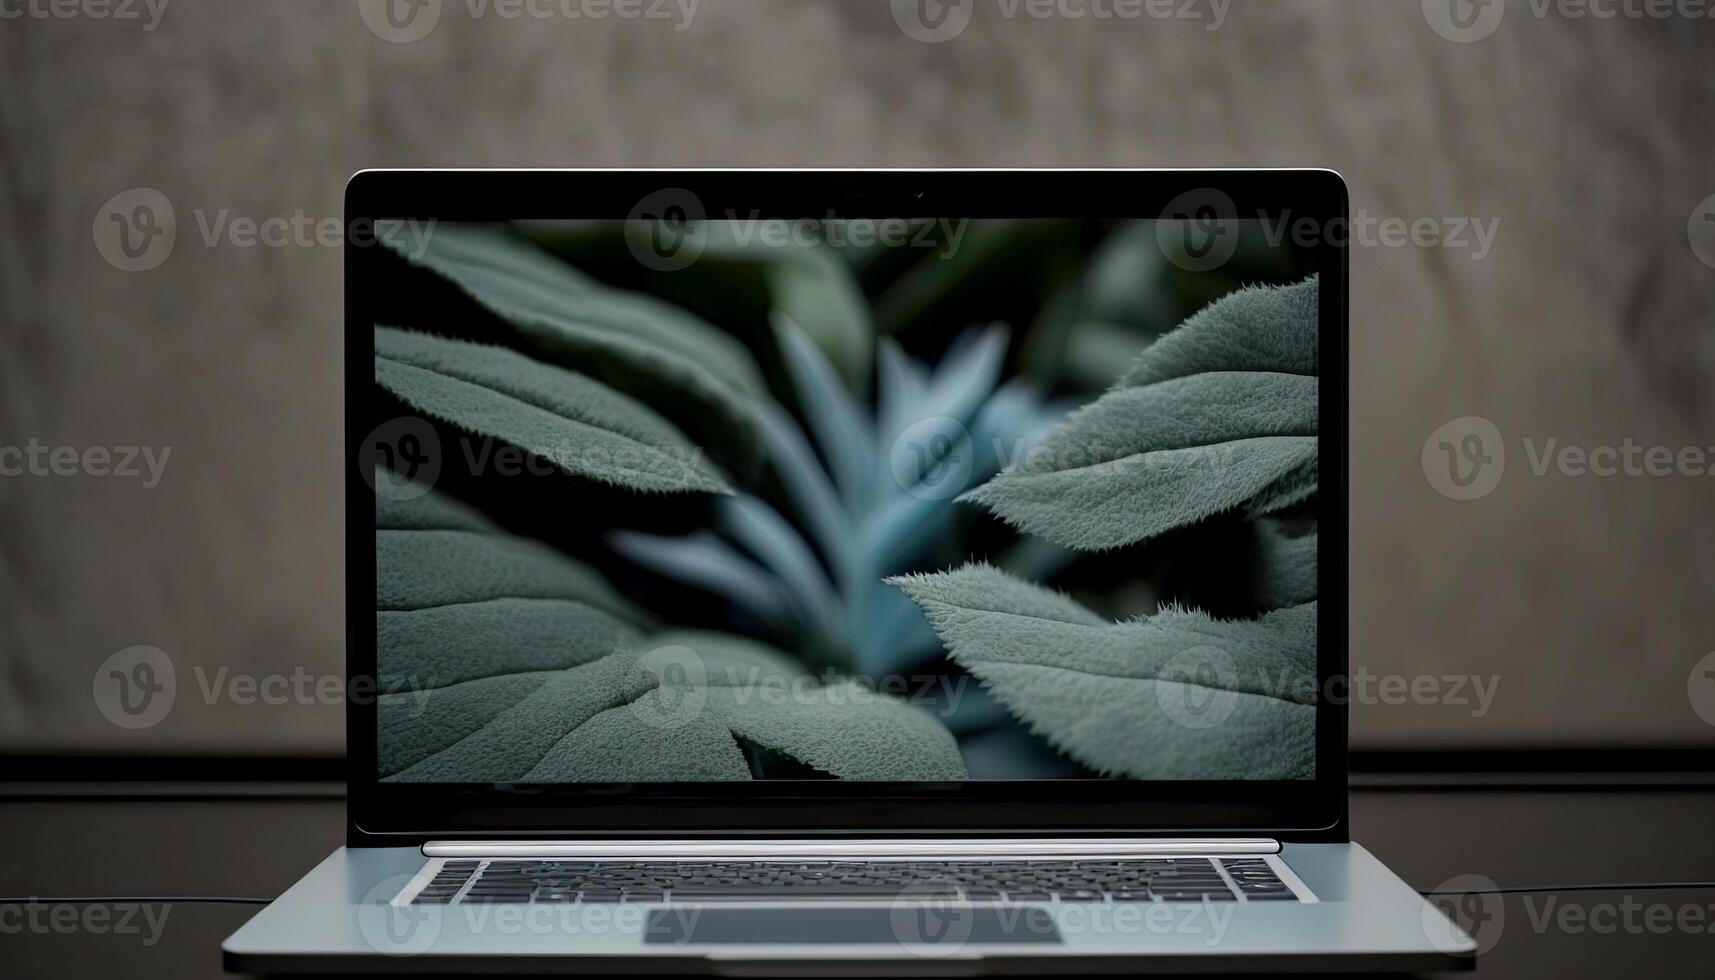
(1428,833)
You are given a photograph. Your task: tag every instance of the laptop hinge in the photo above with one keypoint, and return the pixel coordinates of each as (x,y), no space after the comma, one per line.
(869,850)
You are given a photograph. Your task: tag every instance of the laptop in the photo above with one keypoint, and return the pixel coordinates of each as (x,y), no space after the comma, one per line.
(849,572)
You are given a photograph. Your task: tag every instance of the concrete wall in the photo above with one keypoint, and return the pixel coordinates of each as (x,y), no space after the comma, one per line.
(1588,320)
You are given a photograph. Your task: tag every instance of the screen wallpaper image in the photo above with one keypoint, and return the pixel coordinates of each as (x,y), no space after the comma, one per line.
(906,500)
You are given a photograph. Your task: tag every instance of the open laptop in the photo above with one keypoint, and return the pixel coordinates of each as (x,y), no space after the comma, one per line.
(797,571)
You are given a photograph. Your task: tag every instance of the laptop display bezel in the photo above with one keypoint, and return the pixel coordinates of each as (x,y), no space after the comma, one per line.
(381,813)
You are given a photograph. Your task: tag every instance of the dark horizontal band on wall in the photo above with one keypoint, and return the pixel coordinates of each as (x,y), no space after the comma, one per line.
(71,768)
(1585,760)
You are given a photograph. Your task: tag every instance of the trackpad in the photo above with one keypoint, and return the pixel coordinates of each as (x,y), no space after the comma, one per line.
(927,927)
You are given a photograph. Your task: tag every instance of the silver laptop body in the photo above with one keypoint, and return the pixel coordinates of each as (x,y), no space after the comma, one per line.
(847,572)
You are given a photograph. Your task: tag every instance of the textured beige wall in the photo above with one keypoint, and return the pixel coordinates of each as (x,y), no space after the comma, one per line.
(1590,321)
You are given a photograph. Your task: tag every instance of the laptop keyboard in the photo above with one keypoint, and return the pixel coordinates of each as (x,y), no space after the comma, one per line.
(1135,880)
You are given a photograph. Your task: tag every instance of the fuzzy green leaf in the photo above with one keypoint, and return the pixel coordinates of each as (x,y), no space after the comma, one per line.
(1285,567)
(464,642)
(697,375)
(470,620)
(421,569)
(1263,328)
(1219,414)
(1174,696)
(573,421)
(741,274)
(505,661)
(844,729)
(684,710)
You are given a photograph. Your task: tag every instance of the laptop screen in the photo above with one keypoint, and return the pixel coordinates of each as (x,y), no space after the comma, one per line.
(689,498)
